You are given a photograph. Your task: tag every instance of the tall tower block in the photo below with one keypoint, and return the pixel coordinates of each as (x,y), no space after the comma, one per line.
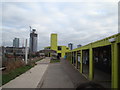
(16,42)
(54,41)
(33,41)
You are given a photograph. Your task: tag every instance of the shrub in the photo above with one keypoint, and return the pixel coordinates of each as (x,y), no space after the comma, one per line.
(12,64)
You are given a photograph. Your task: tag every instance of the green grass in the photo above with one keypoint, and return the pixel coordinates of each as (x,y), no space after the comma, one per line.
(6,77)
(54,61)
(14,73)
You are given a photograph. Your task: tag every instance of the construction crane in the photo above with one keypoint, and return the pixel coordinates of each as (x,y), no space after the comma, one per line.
(30,29)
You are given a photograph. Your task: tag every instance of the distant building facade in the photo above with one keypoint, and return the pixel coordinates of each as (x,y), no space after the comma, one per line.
(54,41)
(60,50)
(11,50)
(70,45)
(33,41)
(16,42)
(79,45)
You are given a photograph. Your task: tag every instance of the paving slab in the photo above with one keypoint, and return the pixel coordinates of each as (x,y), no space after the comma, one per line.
(31,78)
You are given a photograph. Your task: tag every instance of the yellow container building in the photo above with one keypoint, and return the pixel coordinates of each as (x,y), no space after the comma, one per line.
(61,50)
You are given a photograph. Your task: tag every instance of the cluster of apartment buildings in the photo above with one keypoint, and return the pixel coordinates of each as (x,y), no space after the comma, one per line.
(32,48)
(20,51)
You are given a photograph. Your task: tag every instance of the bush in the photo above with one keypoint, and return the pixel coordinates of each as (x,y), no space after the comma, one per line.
(14,73)
(12,64)
(54,61)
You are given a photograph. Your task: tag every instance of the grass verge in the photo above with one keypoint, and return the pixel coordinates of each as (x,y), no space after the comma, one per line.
(14,73)
(6,77)
(54,61)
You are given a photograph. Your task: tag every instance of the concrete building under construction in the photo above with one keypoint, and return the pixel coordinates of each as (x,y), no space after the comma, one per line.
(33,41)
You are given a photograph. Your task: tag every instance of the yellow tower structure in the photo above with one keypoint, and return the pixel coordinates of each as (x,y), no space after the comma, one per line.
(54,41)
(61,50)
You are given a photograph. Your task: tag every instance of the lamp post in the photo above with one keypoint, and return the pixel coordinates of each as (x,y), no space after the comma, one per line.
(26,52)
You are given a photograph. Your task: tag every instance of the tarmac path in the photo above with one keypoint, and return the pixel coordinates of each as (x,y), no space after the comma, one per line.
(61,75)
(48,75)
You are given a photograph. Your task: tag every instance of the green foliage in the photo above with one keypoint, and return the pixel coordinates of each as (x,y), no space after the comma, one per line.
(6,77)
(54,61)
(14,73)
(33,55)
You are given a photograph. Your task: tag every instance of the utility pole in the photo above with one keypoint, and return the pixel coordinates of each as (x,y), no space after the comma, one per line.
(29,48)
(26,52)
(29,41)
(30,28)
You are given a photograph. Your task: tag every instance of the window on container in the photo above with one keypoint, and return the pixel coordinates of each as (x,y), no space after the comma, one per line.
(59,48)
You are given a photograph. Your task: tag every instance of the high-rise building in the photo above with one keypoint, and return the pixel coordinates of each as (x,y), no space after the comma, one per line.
(33,41)
(54,41)
(16,42)
(70,45)
(79,45)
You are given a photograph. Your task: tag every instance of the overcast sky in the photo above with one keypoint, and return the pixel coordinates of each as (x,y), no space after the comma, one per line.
(74,22)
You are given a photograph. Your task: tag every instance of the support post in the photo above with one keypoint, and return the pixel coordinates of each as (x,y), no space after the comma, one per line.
(114,48)
(67,57)
(91,63)
(81,62)
(26,52)
(71,57)
(76,60)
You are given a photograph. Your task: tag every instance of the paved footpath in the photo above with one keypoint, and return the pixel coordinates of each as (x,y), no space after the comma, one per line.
(31,78)
(61,75)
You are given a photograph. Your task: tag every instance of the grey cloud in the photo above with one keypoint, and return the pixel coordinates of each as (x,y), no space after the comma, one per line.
(74,22)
